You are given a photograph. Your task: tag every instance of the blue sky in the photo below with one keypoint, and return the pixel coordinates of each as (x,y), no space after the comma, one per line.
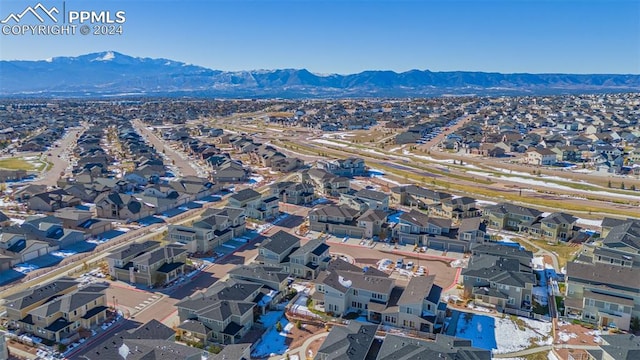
(352,36)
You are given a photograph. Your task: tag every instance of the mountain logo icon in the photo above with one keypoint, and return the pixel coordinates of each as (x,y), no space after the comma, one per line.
(39,11)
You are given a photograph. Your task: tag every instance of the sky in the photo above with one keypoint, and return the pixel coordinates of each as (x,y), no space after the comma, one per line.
(342,36)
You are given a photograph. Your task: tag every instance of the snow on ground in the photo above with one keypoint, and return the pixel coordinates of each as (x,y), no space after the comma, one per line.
(486,202)
(478,308)
(510,338)
(17,221)
(327,142)
(334,135)
(589,222)
(565,336)
(396,148)
(596,335)
(273,342)
(534,182)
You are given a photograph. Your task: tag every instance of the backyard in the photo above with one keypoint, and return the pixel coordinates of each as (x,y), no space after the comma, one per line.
(31,163)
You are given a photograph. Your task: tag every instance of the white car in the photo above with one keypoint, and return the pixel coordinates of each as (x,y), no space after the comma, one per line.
(409,266)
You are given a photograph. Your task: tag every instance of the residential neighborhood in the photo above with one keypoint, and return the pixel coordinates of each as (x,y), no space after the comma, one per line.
(467,227)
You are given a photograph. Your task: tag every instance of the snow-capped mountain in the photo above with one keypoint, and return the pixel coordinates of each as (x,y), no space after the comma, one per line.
(112,73)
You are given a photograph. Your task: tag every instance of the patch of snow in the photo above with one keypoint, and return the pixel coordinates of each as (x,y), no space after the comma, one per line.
(564,336)
(344,282)
(327,142)
(510,338)
(589,222)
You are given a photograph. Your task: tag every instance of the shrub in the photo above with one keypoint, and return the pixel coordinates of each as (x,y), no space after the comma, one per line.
(298,324)
(278,326)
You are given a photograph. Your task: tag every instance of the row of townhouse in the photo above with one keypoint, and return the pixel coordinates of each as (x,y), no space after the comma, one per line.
(342,220)
(290,192)
(360,341)
(343,288)
(56,310)
(226,311)
(419,229)
(557,226)
(500,277)
(214,228)
(147,263)
(603,285)
(255,205)
(284,250)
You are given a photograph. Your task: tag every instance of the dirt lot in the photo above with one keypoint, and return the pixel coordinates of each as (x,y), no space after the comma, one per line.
(297,336)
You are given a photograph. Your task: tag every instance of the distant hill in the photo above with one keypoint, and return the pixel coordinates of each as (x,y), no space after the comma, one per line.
(113,74)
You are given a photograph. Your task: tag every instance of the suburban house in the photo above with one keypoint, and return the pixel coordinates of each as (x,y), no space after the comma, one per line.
(456,208)
(349,167)
(82,220)
(273,277)
(418,307)
(616,347)
(255,205)
(397,347)
(500,277)
(220,315)
(540,156)
(602,294)
(214,228)
(151,340)
(290,192)
(114,205)
(230,172)
(325,183)
(310,259)
(412,195)
(147,263)
(365,199)
(509,216)
(414,227)
(52,200)
(276,249)
(353,341)
(344,288)
(56,310)
(558,226)
(341,220)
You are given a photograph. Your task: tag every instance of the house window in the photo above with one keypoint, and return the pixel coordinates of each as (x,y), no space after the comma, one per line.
(355,292)
(409,311)
(511,301)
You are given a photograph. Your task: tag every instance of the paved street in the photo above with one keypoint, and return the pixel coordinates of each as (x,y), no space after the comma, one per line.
(59,158)
(183,165)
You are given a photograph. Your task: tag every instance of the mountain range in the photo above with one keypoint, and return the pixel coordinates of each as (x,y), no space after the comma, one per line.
(114,74)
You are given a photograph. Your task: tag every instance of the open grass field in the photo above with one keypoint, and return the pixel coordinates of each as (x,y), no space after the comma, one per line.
(19,163)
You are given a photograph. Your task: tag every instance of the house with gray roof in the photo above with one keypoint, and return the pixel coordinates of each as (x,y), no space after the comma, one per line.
(114,205)
(366,199)
(602,294)
(342,220)
(413,195)
(309,259)
(509,216)
(273,277)
(55,311)
(351,342)
(147,263)
(502,278)
(396,347)
(255,205)
(344,288)
(214,228)
(414,227)
(222,314)
(617,347)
